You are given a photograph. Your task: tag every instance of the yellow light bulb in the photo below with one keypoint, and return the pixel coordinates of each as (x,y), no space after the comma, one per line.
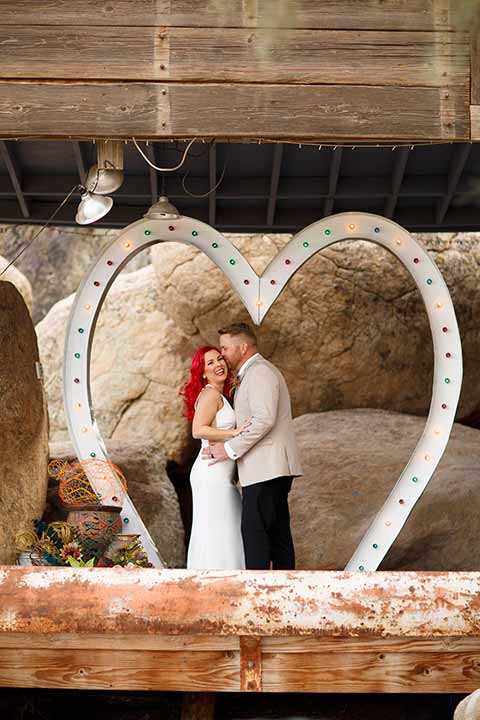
(78,405)
(259,303)
(84,429)
(436,431)
(88,307)
(428,458)
(439,305)
(398,241)
(351,226)
(127,245)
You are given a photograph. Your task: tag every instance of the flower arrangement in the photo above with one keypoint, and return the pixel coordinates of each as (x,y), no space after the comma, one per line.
(58,544)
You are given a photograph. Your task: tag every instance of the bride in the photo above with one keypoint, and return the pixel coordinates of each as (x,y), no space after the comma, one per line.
(215,540)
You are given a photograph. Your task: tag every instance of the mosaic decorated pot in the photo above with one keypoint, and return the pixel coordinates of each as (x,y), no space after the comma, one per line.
(95,525)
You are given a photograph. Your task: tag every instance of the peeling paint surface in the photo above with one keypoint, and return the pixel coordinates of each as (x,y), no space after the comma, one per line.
(173,602)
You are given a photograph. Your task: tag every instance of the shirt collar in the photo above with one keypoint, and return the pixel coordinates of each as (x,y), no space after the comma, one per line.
(241,372)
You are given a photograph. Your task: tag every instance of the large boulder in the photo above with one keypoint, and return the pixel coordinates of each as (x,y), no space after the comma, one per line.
(58,260)
(19,280)
(351,460)
(350,329)
(136,368)
(23,423)
(151,491)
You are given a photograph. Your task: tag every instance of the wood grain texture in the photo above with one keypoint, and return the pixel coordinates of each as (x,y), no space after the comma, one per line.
(429,59)
(343,14)
(91,641)
(153,110)
(371,672)
(350,645)
(115,670)
(475,122)
(475,65)
(250,664)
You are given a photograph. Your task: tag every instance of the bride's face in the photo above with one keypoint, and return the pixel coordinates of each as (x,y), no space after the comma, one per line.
(215,370)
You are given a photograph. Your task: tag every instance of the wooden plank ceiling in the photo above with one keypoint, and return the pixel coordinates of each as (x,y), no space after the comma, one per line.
(233,74)
(301,69)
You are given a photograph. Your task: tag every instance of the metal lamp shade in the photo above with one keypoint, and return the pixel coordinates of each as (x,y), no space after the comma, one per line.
(92,208)
(103,181)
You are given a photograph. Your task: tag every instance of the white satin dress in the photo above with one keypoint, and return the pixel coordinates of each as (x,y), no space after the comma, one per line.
(216,539)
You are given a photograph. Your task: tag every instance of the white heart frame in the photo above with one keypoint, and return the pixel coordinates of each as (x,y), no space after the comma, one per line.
(258,295)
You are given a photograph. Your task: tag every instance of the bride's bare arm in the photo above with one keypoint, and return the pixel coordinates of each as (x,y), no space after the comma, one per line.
(202,427)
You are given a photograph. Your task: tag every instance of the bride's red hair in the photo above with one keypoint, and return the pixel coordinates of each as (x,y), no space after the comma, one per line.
(193,387)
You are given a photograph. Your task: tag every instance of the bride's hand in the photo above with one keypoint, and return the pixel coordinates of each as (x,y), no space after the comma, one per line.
(242,428)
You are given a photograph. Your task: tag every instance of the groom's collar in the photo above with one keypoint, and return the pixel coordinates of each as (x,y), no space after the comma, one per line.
(248,362)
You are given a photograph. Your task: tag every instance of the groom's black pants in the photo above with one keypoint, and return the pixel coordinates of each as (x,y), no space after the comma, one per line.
(266,525)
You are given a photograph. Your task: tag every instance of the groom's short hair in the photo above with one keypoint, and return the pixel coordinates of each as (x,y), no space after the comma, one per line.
(237,329)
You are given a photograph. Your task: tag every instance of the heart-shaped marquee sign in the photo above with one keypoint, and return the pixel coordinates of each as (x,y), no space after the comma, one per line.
(258,295)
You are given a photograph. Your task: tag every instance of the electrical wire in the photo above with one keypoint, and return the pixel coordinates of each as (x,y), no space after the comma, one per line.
(155,167)
(204,195)
(25,247)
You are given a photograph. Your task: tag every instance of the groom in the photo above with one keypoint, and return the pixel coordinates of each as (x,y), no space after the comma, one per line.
(266,454)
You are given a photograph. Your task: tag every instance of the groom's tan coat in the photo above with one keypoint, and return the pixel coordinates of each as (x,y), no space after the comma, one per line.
(268,448)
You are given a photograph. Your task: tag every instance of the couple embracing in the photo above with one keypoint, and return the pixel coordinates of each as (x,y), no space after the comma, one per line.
(239,406)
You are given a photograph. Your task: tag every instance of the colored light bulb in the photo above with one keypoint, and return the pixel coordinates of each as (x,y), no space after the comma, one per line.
(81,330)
(414,479)
(77,355)
(215,245)
(429,281)
(351,226)
(194,233)
(377,229)
(127,245)
(232,261)
(148,232)
(306,244)
(92,454)
(327,231)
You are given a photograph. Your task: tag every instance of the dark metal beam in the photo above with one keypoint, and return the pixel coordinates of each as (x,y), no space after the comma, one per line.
(151,154)
(15,173)
(212,181)
(333,180)
(243,219)
(401,160)
(80,155)
(274,180)
(459,159)
(429,187)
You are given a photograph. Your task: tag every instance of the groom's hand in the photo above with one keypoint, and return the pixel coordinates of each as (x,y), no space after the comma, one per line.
(216,452)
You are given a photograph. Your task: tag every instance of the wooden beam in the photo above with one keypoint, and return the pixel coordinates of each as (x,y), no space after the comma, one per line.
(459,159)
(316,112)
(475,57)
(212,181)
(277,156)
(351,57)
(250,664)
(13,169)
(401,160)
(334,173)
(390,14)
(475,122)
(370,672)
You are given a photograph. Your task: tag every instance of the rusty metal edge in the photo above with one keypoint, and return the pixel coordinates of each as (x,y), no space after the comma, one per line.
(246,603)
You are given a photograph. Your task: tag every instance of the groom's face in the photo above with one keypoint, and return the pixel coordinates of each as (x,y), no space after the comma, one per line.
(231,349)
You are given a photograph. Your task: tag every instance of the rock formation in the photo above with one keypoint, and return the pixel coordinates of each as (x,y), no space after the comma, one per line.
(23,423)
